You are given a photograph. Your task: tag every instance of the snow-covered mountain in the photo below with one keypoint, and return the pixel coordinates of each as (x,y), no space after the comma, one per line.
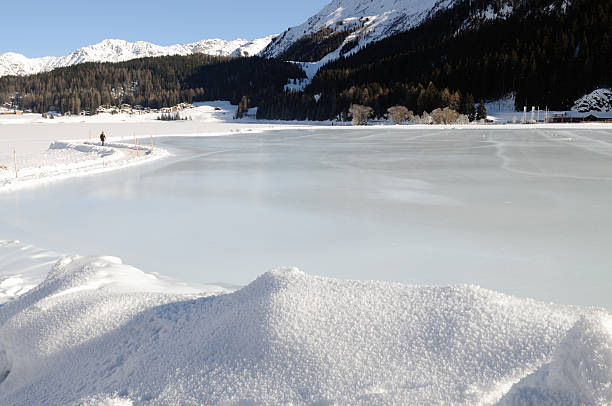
(366,21)
(113,50)
(372,20)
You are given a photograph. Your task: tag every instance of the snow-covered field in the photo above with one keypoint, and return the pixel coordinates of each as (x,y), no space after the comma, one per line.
(91,330)
(96,331)
(42,150)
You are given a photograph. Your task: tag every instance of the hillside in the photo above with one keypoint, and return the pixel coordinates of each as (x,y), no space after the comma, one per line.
(547,53)
(114,50)
(348,24)
(149,82)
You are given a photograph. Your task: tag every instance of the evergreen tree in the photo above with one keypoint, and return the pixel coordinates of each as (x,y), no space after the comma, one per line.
(481,112)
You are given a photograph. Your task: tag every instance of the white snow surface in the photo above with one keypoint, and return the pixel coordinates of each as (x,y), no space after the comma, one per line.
(66,159)
(115,50)
(96,331)
(599,100)
(580,372)
(49,150)
(370,21)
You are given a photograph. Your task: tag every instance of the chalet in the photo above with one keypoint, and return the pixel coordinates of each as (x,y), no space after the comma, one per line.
(592,118)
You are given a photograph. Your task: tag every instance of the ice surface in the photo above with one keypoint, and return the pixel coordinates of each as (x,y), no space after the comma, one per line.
(48,150)
(22,267)
(522,211)
(96,331)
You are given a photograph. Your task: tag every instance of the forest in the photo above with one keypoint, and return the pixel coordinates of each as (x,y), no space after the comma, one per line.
(544,58)
(149,82)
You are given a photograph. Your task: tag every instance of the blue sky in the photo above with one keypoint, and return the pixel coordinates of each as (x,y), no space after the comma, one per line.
(40,28)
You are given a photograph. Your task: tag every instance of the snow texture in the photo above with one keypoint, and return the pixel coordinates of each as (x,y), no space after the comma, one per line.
(599,100)
(368,21)
(114,50)
(96,331)
(67,159)
(580,372)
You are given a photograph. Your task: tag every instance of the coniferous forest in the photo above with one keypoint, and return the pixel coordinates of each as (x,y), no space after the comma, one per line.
(149,82)
(545,59)
(454,59)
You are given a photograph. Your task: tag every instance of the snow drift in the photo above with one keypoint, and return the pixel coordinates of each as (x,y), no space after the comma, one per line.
(580,372)
(98,331)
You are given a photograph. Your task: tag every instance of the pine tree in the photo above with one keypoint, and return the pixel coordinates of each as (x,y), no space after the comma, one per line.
(481,112)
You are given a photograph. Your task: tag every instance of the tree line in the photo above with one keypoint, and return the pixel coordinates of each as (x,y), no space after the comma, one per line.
(546,53)
(149,82)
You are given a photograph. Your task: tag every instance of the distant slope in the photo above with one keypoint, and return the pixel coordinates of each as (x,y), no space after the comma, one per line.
(347,25)
(545,52)
(365,21)
(150,82)
(114,50)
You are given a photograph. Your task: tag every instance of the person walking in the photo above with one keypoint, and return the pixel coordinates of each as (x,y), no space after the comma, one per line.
(102,138)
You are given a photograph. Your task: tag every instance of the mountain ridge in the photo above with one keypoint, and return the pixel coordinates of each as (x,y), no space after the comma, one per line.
(116,50)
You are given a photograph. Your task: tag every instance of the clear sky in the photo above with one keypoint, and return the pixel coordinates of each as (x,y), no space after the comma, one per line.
(40,28)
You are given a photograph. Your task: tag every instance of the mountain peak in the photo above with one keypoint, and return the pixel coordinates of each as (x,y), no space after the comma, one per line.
(118,50)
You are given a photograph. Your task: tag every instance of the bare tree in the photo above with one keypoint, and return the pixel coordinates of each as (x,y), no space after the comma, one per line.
(243,107)
(450,115)
(437,116)
(424,119)
(444,116)
(463,119)
(360,114)
(398,114)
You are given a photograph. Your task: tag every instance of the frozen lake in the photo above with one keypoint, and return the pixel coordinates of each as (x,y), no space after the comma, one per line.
(526,212)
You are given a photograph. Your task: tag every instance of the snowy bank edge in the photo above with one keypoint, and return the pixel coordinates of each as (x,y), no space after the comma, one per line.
(93,167)
(41,175)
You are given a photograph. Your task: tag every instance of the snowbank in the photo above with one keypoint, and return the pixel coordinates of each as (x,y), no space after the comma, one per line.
(580,372)
(68,159)
(98,331)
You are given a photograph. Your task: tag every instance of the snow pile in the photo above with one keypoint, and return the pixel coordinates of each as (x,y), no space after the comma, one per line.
(97,331)
(114,50)
(597,100)
(580,372)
